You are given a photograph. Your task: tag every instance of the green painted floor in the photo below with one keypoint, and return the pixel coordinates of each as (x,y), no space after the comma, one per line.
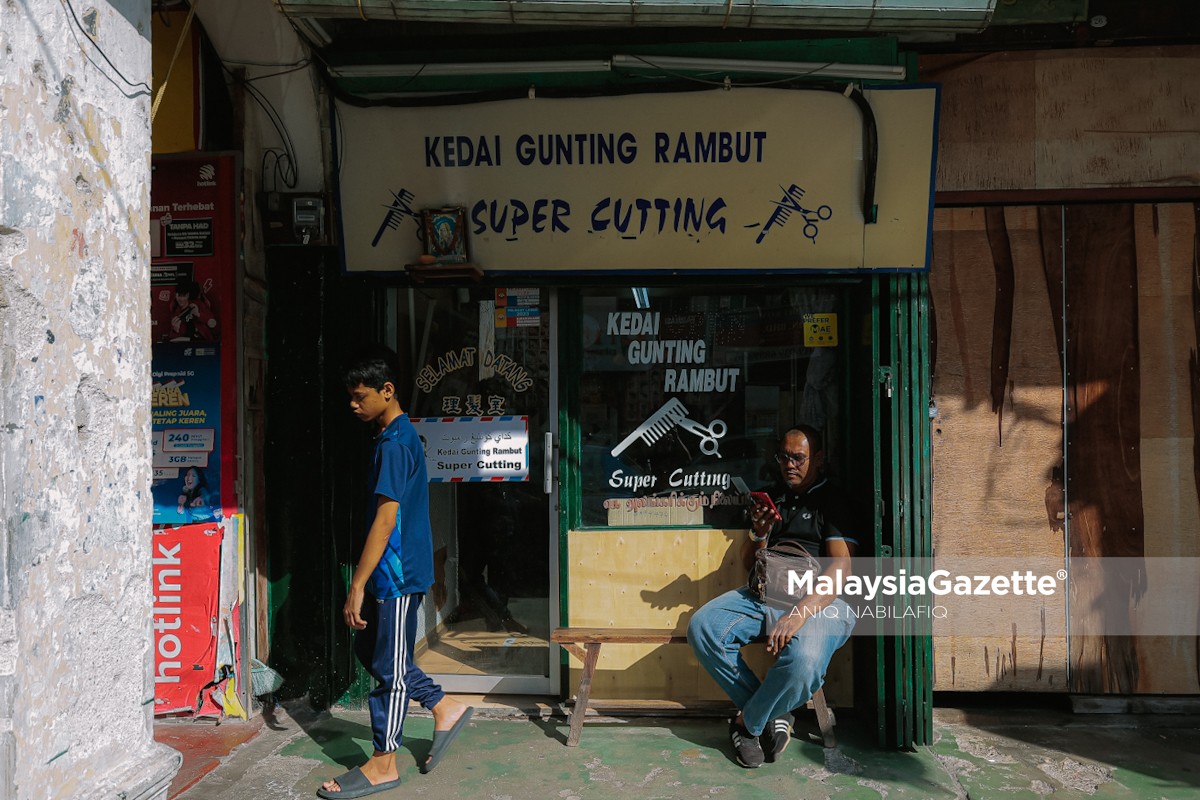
(503,756)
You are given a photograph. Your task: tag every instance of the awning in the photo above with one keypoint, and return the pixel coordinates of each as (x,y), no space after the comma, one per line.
(955,16)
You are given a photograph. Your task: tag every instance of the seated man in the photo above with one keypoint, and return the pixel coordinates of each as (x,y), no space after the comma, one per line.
(808,510)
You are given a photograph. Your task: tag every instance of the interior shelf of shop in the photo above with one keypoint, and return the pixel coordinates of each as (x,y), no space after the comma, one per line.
(443,271)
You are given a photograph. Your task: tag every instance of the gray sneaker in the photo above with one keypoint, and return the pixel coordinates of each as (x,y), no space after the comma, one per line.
(746,746)
(777,735)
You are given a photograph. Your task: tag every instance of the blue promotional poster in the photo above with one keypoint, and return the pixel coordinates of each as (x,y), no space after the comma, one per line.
(185,431)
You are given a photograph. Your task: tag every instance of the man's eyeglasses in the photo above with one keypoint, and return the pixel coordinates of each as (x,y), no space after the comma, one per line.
(799,459)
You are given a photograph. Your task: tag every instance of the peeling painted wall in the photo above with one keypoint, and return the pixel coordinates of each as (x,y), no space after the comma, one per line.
(75,646)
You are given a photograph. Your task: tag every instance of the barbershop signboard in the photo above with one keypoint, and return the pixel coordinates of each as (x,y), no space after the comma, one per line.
(475,449)
(764,179)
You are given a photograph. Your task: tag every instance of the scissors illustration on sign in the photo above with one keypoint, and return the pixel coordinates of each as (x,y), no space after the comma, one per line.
(790,202)
(811,217)
(708,436)
(673,413)
(397,210)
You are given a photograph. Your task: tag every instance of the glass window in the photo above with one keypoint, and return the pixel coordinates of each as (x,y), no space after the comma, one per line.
(684,394)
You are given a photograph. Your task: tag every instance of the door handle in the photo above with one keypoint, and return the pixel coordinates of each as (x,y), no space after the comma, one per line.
(548,464)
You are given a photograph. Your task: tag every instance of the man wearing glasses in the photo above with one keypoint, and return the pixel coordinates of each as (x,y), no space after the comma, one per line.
(806,509)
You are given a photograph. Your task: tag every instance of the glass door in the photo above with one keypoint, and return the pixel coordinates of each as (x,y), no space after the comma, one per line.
(484,401)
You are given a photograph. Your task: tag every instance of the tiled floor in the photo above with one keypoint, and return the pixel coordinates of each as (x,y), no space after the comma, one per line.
(519,752)
(203,743)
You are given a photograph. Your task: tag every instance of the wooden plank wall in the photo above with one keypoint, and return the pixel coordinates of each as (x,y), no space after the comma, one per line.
(1103,470)
(1166,243)
(657,579)
(1070,123)
(1131,317)
(997,436)
(1126,276)
(1067,119)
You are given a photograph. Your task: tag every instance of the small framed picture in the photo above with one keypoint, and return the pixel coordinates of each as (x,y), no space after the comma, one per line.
(445,234)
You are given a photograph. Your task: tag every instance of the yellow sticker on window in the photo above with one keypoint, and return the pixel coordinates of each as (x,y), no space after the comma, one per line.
(820,330)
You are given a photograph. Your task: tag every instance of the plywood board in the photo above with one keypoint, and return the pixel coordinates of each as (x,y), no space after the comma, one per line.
(1165,237)
(987,123)
(651,578)
(1067,119)
(1023,663)
(996,443)
(1103,437)
(1118,117)
(1165,243)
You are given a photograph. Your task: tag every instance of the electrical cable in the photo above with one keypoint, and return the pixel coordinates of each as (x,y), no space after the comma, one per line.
(304,62)
(142,86)
(286,165)
(317,59)
(341,149)
(871,151)
(731,84)
(277,74)
(281,173)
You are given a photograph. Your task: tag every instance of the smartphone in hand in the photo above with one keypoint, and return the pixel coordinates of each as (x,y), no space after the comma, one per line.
(763,499)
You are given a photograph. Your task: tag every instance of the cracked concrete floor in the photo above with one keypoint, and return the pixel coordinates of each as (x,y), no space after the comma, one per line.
(506,755)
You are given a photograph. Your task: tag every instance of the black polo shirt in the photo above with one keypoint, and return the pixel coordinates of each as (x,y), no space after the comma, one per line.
(812,517)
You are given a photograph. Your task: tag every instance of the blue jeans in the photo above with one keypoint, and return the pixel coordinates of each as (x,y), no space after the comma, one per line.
(723,625)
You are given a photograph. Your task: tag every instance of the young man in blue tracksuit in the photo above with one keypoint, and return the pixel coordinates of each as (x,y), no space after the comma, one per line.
(390,581)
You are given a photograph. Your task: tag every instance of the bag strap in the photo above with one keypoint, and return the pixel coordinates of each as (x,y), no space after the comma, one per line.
(791,547)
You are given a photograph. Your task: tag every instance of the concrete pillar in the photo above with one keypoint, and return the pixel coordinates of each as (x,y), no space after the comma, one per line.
(76,661)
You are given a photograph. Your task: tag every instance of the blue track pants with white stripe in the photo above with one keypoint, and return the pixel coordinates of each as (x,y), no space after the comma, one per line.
(385,648)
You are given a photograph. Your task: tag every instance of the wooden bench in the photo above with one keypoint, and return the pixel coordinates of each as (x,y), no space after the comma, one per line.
(592,638)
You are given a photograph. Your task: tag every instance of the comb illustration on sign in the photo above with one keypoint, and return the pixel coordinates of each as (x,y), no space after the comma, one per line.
(674,413)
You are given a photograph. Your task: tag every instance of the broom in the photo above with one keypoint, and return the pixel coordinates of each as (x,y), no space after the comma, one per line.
(263,679)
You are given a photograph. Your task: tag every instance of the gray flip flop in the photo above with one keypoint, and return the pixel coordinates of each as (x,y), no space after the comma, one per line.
(443,739)
(355,784)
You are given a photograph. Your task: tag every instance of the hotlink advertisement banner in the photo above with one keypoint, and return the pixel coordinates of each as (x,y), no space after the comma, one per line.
(186,588)
(185,410)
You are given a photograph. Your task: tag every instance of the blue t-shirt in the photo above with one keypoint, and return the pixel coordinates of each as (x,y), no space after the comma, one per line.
(398,473)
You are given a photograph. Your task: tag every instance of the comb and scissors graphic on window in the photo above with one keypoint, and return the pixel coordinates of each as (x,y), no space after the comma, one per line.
(675,414)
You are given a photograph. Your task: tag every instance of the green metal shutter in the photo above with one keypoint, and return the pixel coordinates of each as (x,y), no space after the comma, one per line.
(903,490)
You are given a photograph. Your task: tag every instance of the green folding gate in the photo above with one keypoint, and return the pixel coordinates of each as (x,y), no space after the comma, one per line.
(901,397)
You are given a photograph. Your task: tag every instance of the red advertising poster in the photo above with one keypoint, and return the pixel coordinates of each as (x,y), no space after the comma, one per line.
(187,574)
(194,241)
